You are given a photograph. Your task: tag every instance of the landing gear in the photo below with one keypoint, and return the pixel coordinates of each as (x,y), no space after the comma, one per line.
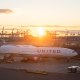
(24,60)
(31,59)
(8,58)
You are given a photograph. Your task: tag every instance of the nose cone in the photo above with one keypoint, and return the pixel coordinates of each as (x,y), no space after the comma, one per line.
(71,53)
(75,54)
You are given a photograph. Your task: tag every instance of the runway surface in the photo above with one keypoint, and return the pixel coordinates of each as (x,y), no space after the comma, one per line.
(53,70)
(52,66)
(9,74)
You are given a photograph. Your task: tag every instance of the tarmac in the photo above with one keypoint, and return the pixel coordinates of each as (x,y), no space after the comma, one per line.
(9,74)
(50,66)
(45,70)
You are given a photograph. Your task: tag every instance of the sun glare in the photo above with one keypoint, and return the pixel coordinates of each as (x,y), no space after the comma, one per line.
(40,31)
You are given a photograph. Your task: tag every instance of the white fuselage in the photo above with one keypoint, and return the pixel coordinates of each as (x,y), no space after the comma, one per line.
(37,51)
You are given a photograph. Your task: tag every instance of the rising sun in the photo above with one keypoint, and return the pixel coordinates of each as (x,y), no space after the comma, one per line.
(40,31)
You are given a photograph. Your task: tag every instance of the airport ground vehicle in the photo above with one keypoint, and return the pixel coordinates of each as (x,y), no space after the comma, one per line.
(73,69)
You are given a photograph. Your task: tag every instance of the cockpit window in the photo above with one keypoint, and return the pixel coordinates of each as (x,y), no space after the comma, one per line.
(73,51)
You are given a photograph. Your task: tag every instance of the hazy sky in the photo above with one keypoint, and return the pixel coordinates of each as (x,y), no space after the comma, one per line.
(40,12)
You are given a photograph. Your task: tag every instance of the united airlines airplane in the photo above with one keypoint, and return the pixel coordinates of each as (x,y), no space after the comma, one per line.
(33,52)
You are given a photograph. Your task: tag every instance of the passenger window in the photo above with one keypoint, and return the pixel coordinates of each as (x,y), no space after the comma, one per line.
(58,51)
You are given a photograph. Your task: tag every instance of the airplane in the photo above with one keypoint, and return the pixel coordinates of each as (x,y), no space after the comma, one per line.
(29,52)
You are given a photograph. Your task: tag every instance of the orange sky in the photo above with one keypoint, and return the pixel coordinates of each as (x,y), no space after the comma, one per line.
(40,12)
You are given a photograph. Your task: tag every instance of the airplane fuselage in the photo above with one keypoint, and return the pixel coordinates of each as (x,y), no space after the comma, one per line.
(32,51)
